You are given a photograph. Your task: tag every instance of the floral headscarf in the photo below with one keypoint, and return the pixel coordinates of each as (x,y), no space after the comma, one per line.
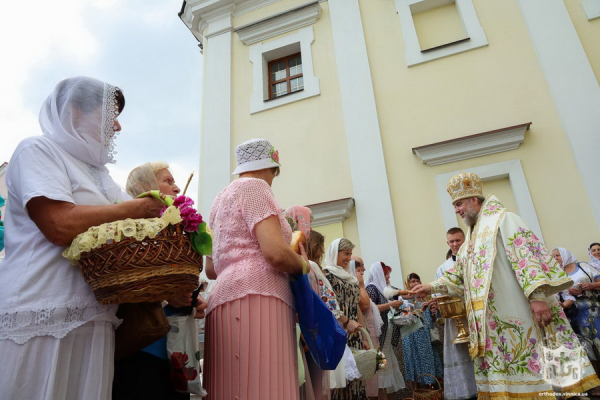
(299,218)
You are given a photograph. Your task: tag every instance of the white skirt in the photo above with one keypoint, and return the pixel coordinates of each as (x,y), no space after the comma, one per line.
(390,378)
(78,366)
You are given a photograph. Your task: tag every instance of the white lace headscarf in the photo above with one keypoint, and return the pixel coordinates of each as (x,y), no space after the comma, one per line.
(594,262)
(79,116)
(331,256)
(377,277)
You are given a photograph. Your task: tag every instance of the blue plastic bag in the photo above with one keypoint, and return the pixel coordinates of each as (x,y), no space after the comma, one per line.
(323,335)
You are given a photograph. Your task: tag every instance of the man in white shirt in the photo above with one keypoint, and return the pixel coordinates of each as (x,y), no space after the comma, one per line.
(459,374)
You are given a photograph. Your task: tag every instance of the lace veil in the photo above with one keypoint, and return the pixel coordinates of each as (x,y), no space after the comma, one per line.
(79,116)
(141,179)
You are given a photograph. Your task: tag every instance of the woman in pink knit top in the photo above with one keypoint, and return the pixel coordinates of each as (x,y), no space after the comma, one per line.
(250,348)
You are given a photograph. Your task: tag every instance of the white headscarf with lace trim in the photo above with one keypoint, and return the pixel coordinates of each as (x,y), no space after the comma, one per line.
(331,256)
(79,116)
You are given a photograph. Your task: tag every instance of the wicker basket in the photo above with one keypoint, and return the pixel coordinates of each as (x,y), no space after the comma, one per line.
(366,360)
(428,394)
(132,271)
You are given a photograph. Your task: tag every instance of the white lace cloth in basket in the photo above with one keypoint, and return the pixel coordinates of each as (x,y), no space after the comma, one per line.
(46,319)
(96,236)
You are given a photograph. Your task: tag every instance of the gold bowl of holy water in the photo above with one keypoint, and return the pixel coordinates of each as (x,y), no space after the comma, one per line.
(452,307)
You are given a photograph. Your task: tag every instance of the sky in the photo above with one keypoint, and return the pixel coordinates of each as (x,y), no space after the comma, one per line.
(140,46)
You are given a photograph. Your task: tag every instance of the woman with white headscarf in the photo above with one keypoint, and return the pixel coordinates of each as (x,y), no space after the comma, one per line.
(390,379)
(371,317)
(58,338)
(585,310)
(345,286)
(594,253)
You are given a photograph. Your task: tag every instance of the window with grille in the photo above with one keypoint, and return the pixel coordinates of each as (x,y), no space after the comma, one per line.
(285,76)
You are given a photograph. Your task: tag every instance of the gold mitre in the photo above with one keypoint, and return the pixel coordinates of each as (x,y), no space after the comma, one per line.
(465,185)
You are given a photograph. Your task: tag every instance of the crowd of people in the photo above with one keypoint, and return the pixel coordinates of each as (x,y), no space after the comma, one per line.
(61,341)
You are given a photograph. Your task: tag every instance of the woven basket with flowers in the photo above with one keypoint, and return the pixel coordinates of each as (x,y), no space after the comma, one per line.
(368,362)
(144,260)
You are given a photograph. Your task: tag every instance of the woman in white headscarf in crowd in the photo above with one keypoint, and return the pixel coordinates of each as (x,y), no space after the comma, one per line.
(345,286)
(58,338)
(390,379)
(594,253)
(371,317)
(584,315)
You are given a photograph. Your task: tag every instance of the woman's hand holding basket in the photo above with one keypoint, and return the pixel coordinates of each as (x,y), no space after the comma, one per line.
(352,326)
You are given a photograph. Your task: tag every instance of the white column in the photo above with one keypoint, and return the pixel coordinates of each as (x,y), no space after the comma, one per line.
(376,228)
(215,141)
(572,84)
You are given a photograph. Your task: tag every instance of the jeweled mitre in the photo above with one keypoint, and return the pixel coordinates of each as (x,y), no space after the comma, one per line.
(465,185)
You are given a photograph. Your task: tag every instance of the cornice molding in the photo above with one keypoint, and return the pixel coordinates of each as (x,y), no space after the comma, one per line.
(251,5)
(591,9)
(331,212)
(280,23)
(478,145)
(198,15)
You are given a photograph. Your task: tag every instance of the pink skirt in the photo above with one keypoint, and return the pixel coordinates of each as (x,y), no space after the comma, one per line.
(250,350)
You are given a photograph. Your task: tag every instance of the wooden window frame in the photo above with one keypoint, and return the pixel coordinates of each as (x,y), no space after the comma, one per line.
(287,78)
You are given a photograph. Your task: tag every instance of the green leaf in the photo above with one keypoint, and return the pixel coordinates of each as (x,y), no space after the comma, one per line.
(168,200)
(202,242)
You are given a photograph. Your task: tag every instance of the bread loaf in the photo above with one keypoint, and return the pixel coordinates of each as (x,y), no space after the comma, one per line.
(297,238)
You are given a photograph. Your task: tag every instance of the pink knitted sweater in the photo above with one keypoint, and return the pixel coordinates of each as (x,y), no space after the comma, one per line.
(239,264)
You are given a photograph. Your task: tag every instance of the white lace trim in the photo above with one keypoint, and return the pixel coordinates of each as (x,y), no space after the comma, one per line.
(116,231)
(109,115)
(51,320)
(350,367)
(98,181)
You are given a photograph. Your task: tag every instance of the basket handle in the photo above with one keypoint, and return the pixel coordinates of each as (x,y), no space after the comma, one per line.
(364,334)
(417,380)
(163,198)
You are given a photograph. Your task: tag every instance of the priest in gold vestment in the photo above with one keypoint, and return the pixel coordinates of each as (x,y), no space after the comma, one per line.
(519,338)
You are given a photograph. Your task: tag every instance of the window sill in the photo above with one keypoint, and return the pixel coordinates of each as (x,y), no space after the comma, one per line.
(284,95)
(445,45)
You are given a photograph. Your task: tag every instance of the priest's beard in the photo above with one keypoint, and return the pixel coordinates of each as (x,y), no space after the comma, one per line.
(470,217)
